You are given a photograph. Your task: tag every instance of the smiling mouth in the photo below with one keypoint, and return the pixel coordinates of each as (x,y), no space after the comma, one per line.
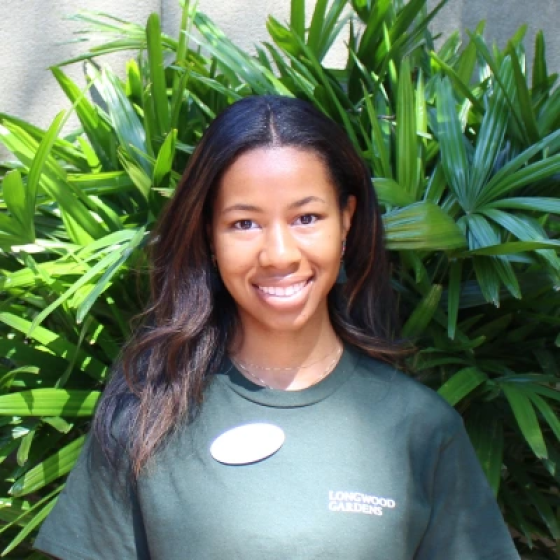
(283,291)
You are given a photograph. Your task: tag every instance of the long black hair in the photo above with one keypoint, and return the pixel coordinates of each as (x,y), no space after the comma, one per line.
(190,321)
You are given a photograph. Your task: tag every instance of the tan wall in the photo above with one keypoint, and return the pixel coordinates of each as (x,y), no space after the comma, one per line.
(34,34)
(503,18)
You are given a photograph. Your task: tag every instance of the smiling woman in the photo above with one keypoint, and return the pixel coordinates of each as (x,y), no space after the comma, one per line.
(258,412)
(278,233)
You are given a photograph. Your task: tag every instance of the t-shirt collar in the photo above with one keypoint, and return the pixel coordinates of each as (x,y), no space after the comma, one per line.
(236,381)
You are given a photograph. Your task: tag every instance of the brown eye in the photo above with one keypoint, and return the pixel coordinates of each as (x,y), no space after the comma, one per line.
(244,224)
(307,219)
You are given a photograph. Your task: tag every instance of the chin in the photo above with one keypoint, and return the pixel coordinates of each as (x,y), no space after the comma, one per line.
(286,322)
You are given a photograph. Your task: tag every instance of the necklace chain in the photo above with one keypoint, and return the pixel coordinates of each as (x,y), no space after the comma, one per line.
(245,367)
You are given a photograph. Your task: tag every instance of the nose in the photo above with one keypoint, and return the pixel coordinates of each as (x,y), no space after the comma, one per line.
(280,248)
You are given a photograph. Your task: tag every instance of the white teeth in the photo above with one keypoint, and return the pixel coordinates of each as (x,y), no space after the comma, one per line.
(280,291)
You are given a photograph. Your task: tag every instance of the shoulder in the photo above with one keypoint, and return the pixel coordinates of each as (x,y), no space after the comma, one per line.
(403,398)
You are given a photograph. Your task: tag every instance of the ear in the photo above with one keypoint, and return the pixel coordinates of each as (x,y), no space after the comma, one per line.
(347,214)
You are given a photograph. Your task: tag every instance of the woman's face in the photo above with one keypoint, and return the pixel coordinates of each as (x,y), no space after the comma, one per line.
(277,234)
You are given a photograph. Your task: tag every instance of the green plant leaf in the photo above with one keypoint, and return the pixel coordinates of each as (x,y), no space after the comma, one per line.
(487,279)
(49,402)
(526,418)
(423,313)
(407,164)
(98,131)
(29,527)
(53,182)
(461,384)
(164,162)
(283,37)
(127,125)
(111,269)
(380,149)
(389,192)
(461,86)
(453,297)
(52,468)
(525,106)
(512,247)
(108,262)
(56,344)
(158,84)
(16,198)
(491,135)
(453,154)
(547,413)
(534,498)
(422,225)
(316,27)
(24,447)
(467,59)
(486,432)
(531,203)
(234,62)
(297,17)
(516,173)
(11,509)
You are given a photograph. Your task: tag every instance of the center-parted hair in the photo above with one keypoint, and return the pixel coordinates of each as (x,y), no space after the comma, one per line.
(191,319)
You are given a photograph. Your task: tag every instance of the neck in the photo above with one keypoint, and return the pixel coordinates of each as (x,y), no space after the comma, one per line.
(287,360)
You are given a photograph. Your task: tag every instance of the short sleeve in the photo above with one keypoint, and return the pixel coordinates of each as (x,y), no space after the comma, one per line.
(96,515)
(465,521)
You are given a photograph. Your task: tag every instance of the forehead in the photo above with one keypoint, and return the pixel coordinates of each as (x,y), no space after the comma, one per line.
(274,176)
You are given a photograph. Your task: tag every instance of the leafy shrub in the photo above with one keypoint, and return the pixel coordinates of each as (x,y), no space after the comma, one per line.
(465,152)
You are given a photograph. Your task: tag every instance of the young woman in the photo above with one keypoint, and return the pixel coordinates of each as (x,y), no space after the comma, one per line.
(257,414)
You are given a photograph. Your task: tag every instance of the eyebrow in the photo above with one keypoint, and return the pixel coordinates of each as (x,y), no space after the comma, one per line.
(306,200)
(242,207)
(251,208)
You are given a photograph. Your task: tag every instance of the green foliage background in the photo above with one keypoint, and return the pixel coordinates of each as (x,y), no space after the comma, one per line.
(465,151)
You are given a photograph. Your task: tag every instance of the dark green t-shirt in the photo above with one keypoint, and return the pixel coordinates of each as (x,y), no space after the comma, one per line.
(374,466)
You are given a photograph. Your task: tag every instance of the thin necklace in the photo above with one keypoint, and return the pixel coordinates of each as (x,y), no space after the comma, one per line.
(246,365)
(328,370)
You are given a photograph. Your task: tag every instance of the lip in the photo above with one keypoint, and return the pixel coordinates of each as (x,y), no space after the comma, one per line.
(283,283)
(284,293)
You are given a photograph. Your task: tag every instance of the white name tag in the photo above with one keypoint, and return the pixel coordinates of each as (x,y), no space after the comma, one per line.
(247,444)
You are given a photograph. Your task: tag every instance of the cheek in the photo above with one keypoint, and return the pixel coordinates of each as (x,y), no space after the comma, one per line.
(333,259)
(229,264)
(325,250)
(234,261)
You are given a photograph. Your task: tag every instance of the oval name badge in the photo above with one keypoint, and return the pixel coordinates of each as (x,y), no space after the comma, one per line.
(247,444)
